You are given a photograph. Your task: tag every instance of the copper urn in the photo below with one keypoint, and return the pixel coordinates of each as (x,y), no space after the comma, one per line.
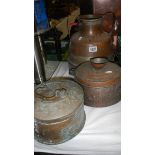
(91,41)
(101,81)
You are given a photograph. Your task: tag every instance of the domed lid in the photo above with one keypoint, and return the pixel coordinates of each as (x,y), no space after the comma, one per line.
(98,72)
(57,99)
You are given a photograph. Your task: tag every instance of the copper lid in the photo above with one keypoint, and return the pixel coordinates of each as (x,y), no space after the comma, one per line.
(98,72)
(57,99)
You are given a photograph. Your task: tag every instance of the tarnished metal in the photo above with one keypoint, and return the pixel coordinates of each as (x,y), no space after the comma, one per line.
(39,70)
(105,6)
(101,81)
(91,41)
(58,111)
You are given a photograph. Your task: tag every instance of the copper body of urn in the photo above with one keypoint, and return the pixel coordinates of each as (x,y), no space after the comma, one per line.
(91,41)
(101,82)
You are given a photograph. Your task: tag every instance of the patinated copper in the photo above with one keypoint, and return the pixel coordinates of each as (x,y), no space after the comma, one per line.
(91,41)
(101,81)
(104,7)
(58,111)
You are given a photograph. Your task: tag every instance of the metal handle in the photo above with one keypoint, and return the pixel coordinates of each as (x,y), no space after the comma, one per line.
(115,22)
(59,93)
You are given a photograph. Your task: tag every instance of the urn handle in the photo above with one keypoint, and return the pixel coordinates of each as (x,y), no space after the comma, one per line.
(98,62)
(113,25)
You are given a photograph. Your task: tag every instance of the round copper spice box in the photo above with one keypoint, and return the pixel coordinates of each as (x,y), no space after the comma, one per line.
(58,111)
(101,81)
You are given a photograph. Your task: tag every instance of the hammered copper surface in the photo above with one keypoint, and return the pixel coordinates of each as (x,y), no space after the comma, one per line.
(91,41)
(58,111)
(102,96)
(102,85)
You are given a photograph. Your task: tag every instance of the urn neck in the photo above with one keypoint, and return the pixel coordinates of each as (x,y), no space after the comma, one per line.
(91,24)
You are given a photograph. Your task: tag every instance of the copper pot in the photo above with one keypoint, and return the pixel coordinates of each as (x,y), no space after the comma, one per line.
(58,111)
(91,41)
(101,81)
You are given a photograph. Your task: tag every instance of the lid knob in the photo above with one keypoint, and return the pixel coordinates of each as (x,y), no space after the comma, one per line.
(98,63)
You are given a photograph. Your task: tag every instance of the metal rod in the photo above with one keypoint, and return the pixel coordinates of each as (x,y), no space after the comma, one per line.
(39,70)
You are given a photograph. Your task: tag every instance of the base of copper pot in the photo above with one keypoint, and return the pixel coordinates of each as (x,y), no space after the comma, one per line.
(67,133)
(112,102)
(103,96)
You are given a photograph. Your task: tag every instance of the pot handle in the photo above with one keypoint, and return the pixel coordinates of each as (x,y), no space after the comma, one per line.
(98,62)
(72,70)
(59,93)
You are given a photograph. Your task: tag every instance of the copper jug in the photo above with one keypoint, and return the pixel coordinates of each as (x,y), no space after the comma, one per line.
(91,41)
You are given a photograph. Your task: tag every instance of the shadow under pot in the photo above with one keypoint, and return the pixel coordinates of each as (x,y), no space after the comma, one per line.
(58,111)
(101,82)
